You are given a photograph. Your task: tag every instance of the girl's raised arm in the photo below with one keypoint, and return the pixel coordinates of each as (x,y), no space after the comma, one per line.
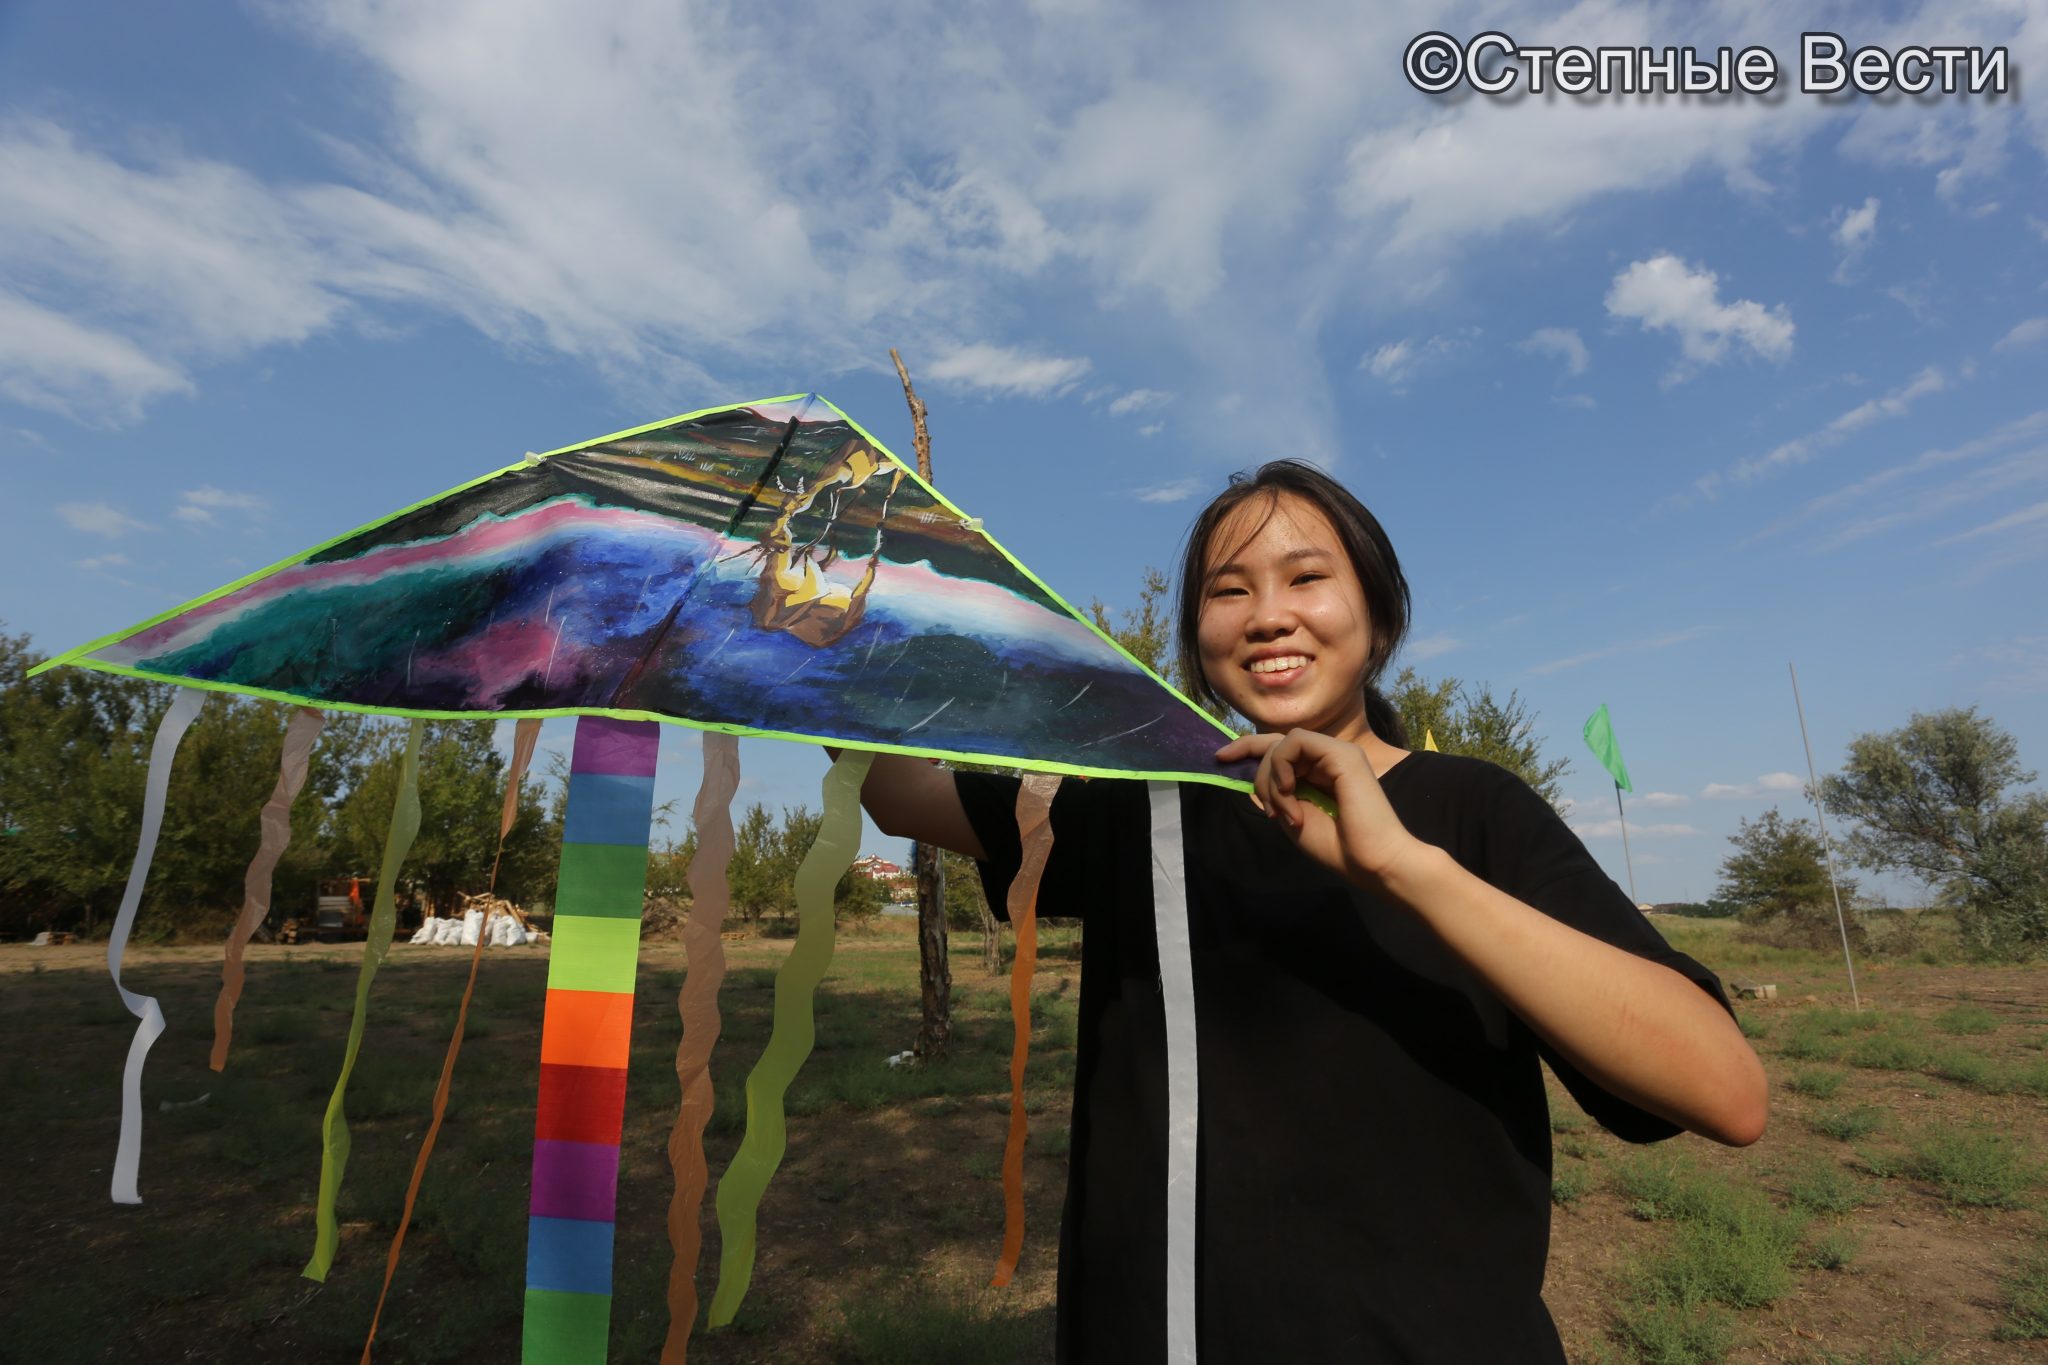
(914,798)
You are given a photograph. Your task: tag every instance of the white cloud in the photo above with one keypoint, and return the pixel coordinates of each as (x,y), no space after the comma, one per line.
(2026,516)
(1179,490)
(109,561)
(1563,343)
(98,519)
(1139,400)
(2022,664)
(1007,372)
(1662,800)
(52,362)
(1663,641)
(1770,784)
(1611,829)
(1663,293)
(202,506)
(1399,363)
(1151,429)
(1430,647)
(2028,333)
(1803,448)
(1949,482)
(1855,229)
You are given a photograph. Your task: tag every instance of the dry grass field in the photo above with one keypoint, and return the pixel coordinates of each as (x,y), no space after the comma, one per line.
(1892,1213)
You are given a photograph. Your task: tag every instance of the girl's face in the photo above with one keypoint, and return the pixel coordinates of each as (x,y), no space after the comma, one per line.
(1283,632)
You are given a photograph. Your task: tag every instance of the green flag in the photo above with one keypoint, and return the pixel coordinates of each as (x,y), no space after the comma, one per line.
(1600,739)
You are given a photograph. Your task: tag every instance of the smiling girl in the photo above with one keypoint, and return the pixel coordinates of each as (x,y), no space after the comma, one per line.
(1374,987)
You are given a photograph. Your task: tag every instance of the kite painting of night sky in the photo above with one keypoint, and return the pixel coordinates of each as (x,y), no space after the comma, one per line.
(764,569)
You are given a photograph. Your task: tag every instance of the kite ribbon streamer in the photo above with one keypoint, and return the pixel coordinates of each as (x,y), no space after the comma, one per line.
(586,1038)
(305,727)
(1177,987)
(789,1042)
(524,736)
(128,1155)
(405,824)
(710,897)
(1034,829)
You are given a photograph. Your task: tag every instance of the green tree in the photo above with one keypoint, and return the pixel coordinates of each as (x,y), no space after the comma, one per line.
(1475,723)
(1148,633)
(1934,799)
(1778,866)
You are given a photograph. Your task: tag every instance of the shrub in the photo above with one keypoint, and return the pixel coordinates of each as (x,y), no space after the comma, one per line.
(1818,1083)
(1847,1125)
(1979,1167)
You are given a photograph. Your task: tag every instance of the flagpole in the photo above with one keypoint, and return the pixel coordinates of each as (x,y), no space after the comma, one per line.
(1820,812)
(1627,859)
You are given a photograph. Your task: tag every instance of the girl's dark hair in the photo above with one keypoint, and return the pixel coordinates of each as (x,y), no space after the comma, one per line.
(1365,543)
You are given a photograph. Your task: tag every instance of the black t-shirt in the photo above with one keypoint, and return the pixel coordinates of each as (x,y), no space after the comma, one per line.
(1374,1142)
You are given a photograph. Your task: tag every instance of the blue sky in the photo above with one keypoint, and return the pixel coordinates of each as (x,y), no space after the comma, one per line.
(1652,397)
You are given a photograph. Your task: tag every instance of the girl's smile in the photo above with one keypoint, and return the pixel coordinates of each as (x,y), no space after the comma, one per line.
(1283,631)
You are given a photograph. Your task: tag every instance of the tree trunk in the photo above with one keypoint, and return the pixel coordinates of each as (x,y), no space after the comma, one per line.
(992,941)
(934,973)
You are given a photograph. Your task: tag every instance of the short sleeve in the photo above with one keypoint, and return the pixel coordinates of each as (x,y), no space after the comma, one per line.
(1093,825)
(1533,855)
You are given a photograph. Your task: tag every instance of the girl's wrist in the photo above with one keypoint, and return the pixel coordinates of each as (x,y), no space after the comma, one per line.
(1410,874)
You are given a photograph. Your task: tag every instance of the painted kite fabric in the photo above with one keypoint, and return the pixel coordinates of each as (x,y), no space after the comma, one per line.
(761,569)
(765,569)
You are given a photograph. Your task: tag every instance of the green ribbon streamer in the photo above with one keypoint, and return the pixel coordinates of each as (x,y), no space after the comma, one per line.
(795,1030)
(405,823)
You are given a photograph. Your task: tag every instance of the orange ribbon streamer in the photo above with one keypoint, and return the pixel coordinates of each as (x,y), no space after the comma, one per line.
(1034,828)
(710,897)
(524,737)
(305,727)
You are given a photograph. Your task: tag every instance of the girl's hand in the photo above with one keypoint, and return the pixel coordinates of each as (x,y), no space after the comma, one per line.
(1363,841)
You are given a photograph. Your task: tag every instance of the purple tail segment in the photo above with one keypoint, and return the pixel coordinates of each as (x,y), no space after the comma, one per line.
(586,1034)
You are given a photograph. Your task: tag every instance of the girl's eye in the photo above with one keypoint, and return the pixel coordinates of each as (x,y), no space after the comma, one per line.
(1310,577)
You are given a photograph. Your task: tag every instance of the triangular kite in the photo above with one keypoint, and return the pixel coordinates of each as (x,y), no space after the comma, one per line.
(761,569)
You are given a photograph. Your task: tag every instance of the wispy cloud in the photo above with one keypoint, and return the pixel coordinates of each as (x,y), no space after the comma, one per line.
(1611,829)
(2032,332)
(1007,372)
(2020,664)
(202,506)
(1139,400)
(1430,647)
(1855,229)
(1561,343)
(1664,294)
(1179,490)
(1397,364)
(1664,641)
(99,519)
(1800,449)
(1662,800)
(2026,516)
(53,362)
(1770,784)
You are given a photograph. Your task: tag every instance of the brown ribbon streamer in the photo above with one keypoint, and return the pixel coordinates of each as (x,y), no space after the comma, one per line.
(524,736)
(306,724)
(1034,829)
(710,897)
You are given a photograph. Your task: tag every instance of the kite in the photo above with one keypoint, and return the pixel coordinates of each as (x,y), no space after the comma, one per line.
(759,569)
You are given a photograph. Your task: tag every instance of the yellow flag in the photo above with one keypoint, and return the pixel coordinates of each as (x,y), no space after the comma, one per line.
(1429,741)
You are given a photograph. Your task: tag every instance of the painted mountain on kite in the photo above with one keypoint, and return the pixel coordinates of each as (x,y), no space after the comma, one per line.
(767,568)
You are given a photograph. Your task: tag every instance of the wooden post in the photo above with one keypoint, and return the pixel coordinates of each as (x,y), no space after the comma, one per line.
(934,973)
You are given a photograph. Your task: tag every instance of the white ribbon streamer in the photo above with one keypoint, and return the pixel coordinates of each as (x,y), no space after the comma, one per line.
(1177,987)
(128,1157)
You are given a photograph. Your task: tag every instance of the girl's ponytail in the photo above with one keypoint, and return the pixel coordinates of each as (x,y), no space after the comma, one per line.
(1384,719)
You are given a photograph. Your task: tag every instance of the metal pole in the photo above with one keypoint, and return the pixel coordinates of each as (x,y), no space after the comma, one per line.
(1820,812)
(1627,859)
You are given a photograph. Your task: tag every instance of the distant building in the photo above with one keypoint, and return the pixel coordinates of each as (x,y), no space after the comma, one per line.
(877,868)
